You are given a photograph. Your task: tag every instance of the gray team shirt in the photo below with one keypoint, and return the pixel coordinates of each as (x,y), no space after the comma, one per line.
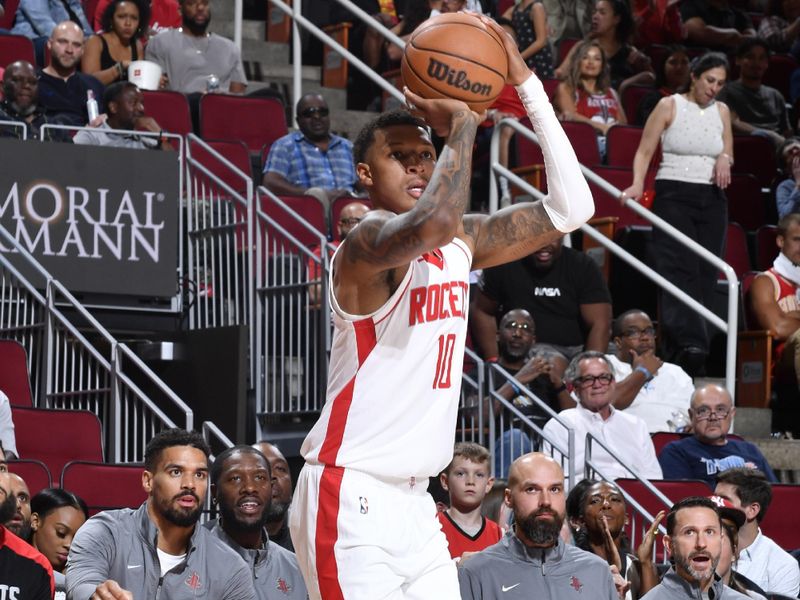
(509,570)
(121,545)
(274,569)
(675,587)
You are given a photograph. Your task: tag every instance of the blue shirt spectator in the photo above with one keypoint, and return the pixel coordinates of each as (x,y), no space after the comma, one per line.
(38,18)
(312,161)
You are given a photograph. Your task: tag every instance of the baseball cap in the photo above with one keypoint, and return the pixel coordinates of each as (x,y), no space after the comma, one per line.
(728,511)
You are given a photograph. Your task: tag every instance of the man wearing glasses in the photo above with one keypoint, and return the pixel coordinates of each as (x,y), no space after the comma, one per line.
(709,451)
(312,161)
(592,378)
(657,392)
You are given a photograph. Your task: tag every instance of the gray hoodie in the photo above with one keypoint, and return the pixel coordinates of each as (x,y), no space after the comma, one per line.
(121,545)
(274,569)
(511,571)
(675,587)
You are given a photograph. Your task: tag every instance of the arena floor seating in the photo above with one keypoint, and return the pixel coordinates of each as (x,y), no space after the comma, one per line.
(121,484)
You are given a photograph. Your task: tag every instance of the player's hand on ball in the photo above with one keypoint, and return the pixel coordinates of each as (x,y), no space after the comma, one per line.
(438,113)
(518,71)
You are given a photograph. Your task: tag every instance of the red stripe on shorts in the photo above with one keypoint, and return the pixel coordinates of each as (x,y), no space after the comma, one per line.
(328,532)
(365,342)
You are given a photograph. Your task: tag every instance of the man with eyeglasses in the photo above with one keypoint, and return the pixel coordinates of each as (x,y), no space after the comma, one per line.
(312,161)
(709,450)
(657,392)
(592,378)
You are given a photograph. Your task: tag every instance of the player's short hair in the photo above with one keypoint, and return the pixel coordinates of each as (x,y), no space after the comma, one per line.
(787,221)
(219,460)
(690,502)
(168,439)
(366,137)
(470,451)
(751,486)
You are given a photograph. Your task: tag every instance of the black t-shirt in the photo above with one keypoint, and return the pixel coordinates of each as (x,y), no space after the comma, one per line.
(24,573)
(64,102)
(553,297)
(726,18)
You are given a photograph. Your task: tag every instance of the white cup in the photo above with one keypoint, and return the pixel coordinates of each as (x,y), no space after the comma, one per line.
(145,74)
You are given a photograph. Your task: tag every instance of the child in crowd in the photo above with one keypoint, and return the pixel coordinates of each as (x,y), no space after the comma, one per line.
(467,479)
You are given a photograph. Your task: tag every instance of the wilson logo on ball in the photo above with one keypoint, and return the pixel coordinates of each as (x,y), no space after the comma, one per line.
(458,79)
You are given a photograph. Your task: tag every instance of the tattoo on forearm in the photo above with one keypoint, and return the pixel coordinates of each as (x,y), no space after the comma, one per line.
(511,233)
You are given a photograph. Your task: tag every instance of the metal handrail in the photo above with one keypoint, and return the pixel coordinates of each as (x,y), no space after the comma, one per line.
(15,125)
(730,327)
(210,431)
(298,18)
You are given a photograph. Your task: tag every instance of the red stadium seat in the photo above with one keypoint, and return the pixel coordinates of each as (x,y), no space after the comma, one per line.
(121,484)
(310,210)
(754,154)
(584,141)
(234,152)
(14,379)
(766,249)
(622,141)
(14,48)
(780,522)
(608,206)
(550,86)
(736,254)
(56,437)
(255,121)
(564,46)
(34,472)
(631,98)
(779,73)
(747,205)
(7,20)
(169,109)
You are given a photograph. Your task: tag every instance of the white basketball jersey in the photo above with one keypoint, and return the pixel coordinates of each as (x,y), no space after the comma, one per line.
(395,375)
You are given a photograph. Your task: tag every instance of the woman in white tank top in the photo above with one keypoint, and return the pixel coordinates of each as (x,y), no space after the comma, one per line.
(697,147)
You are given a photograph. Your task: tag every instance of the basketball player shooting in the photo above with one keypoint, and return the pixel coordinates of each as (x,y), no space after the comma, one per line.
(362,522)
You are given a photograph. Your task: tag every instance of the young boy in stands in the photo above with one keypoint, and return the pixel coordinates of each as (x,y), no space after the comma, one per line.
(468,479)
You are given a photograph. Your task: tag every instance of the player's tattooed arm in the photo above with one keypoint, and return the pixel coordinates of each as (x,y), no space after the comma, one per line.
(509,234)
(383,240)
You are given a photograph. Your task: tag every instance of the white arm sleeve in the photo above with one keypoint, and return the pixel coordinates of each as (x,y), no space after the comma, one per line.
(568,202)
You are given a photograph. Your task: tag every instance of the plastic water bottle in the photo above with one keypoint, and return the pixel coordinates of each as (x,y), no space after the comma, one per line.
(91,106)
(678,422)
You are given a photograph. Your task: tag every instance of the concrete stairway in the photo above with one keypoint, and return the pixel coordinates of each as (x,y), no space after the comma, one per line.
(267,65)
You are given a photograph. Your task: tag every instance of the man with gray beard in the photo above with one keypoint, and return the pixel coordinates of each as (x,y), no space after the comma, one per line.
(694,541)
(532,561)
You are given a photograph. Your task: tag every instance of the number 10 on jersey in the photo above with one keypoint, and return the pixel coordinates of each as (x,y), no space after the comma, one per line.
(444,362)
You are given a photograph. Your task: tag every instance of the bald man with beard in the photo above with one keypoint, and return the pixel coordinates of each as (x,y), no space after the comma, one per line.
(514,568)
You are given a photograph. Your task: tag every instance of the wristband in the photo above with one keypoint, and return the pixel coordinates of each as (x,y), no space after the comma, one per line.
(561,388)
(647,374)
(491,359)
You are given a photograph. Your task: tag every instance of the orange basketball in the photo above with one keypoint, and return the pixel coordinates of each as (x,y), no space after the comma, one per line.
(454,55)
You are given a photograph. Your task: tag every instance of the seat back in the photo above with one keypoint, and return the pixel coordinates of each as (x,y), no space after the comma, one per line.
(564,46)
(233,151)
(622,141)
(7,20)
(746,204)
(631,98)
(736,254)
(746,280)
(766,249)
(56,437)
(779,73)
(255,121)
(169,109)
(755,154)
(309,208)
(780,522)
(14,379)
(34,472)
(121,487)
(608,206)
(662,438)
(584,142)
(14,48)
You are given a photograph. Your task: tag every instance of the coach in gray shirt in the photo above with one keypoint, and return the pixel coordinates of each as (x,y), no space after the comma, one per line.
(532,561)
(241,487)
(158,550)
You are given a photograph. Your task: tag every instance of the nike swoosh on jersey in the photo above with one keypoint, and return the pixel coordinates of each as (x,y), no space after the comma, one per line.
(509,588)
(134,566)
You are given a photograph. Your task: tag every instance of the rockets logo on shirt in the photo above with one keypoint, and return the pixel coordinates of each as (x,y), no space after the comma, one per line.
(438,301)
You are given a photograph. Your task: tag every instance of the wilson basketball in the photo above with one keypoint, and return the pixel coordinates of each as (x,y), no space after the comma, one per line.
(454,55)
